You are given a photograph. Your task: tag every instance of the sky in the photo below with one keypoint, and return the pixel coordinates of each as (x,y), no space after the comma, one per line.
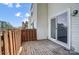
(14,13)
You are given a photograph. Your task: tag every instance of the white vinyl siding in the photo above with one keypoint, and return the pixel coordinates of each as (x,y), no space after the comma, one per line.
(75,33)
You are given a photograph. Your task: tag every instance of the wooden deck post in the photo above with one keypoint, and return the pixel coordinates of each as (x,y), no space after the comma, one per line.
(11,42)
(14,43)
(6,43)
(0,45)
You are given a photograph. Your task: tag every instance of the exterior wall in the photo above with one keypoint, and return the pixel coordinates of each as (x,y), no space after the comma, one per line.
(34,15)
(39,16)
(56,8)
(29,23)
(42,21)
(75,33)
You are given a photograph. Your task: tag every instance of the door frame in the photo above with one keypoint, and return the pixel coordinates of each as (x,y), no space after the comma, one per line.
(68,44)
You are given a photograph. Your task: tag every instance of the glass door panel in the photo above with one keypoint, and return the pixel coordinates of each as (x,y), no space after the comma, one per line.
(62,27)
(53,28)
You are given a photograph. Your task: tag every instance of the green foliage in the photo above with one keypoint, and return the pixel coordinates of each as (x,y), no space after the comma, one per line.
(5,25)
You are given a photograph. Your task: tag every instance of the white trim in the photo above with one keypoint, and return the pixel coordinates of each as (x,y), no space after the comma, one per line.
(68,45)
(69,29)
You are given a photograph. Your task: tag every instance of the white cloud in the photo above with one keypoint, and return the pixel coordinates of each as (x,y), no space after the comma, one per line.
(18,14)
(18,5)
(8,4)
(27,15)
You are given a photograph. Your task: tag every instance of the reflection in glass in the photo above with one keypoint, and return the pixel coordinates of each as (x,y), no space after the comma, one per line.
(62,27)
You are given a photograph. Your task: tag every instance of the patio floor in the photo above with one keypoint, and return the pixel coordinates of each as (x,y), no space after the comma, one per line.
(43,47)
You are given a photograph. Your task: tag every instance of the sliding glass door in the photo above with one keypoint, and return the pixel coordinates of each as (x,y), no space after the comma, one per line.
(62,27)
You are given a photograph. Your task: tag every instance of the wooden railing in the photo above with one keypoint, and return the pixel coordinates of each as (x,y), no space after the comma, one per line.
(0,44)
(28,35)
(11,40)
